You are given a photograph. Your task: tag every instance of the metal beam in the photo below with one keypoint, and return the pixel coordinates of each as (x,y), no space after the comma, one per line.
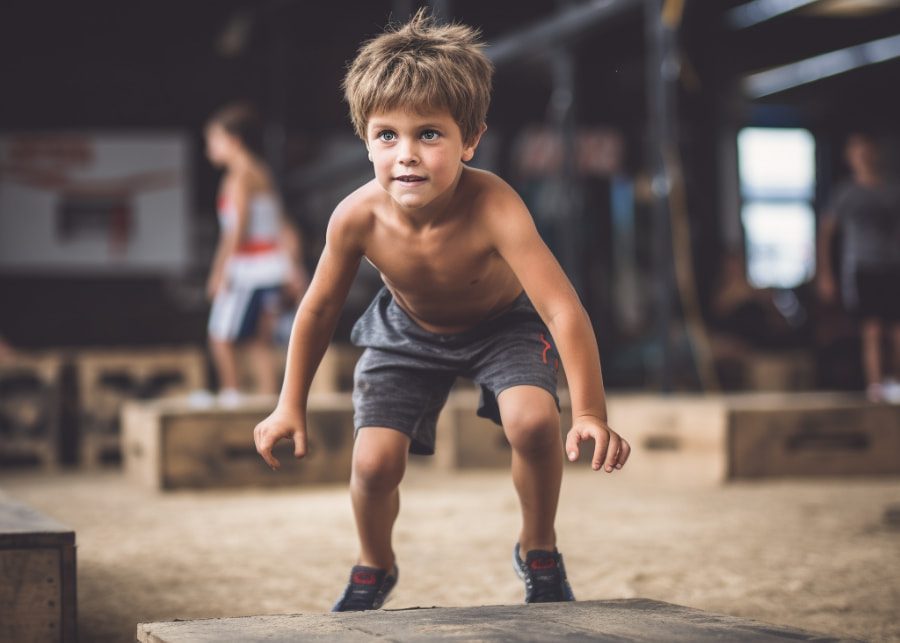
(535,39)
(661,77)
(779,79)
(557,29)
(757,11)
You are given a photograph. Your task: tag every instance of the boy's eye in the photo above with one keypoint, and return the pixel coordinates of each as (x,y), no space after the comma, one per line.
(387,136)
(430,135)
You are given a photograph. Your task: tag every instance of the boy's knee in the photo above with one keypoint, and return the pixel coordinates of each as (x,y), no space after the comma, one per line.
(376,468)
(532,429)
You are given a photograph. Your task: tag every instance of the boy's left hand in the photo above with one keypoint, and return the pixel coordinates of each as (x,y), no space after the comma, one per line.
(610,450)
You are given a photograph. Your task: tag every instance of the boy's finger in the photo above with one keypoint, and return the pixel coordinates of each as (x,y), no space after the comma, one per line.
(264,448)
(602,441)
(624,452)
(299,444)
(572,440)
(612,452)
(270,459)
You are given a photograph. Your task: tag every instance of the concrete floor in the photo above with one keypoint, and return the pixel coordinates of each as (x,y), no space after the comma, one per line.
(813,554)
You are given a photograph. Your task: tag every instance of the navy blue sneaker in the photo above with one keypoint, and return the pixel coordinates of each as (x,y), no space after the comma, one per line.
(367,590)
(544,575)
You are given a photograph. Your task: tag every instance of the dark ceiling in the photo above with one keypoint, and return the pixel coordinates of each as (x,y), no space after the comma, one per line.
(109,63)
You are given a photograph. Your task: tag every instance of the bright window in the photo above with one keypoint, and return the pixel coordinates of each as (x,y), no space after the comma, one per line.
(777,175)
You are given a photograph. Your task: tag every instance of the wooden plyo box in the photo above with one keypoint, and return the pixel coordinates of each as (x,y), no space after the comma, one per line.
(675,439)
(37,577)
(334,374)
(108,378)
(783,371)
(466,441)
(30,408)
(167,444)
(812,435)
(632,619)
(707,439)
(710,439)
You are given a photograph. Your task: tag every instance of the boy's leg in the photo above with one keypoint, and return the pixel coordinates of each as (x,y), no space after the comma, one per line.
(531,423)
(379,462)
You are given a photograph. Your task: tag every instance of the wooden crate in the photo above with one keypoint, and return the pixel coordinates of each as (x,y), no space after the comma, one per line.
(108,378)
(783,371)
(707,439)
(466,441)
(37,577)
(169,445)
(812,435)
(335,372)
(675,439)
(30,408)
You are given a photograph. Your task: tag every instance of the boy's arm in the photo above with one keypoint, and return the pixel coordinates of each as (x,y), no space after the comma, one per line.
(517,240)
(312,330)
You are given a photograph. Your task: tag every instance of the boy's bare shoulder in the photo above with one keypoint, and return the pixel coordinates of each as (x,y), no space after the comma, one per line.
(490,197)
(354,217)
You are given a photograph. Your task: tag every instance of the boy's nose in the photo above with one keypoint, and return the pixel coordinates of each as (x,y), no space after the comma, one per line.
(407,154)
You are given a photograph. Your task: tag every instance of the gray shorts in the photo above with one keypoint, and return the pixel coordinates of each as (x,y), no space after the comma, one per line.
(405,374)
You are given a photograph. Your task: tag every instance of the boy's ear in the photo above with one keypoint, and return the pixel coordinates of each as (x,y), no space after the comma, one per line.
(368,151)
(469,148)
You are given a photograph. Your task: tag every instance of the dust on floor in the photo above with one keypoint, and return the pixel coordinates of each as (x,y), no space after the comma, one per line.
(814,554)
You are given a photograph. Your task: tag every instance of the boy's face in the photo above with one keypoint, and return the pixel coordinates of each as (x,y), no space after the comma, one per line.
(417,157)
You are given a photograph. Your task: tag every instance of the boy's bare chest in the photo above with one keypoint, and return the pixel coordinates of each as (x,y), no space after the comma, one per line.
(441,260)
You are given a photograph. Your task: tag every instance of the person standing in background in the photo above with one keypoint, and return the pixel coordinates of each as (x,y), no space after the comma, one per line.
(866,210)
(257,258)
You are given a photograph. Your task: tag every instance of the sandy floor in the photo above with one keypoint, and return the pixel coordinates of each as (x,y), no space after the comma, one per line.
(812,554)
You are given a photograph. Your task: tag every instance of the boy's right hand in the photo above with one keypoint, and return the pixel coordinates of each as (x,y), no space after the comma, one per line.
(280,424)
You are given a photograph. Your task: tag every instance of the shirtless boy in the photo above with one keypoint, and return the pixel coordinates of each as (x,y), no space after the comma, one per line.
(470,289)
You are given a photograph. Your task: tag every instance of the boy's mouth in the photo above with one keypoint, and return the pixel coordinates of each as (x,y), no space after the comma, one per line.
(409,178)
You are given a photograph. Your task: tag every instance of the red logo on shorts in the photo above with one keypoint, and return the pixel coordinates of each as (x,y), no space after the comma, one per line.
(364,578)
(547,347)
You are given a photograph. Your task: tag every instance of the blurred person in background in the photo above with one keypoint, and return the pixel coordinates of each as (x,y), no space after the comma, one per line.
(258,257)
(6,350)
(866,211)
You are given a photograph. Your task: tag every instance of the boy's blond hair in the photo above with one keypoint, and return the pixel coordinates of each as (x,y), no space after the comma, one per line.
(421,66)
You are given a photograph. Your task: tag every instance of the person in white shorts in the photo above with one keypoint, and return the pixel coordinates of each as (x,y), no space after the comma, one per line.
(258,254)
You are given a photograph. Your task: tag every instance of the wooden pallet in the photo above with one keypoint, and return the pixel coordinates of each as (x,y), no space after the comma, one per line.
(37,576)
(30,408)
(170,445)
(110,377)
